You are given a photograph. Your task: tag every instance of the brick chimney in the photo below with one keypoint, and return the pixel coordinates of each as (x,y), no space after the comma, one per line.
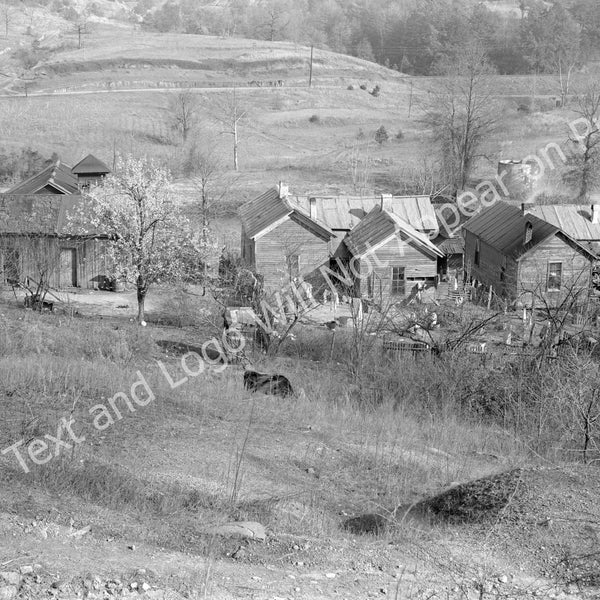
(595,213)
(312,204)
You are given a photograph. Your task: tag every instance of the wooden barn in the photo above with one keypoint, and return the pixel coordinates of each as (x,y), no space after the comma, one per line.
(281,241)
(89,171)
(42,235)
(523,258)
(389,259)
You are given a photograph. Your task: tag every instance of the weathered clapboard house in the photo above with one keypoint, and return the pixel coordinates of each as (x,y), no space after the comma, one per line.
(524,258)
(389,257)
(89,171)
(285,235)
(281,241)
(46,235)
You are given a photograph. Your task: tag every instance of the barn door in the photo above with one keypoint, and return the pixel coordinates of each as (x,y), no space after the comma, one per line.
(67,276)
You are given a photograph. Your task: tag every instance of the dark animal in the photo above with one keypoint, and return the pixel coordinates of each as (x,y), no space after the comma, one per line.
(278,385)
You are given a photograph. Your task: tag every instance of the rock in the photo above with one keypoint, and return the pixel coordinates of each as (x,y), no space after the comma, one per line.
(133,585)
(8,592)
(330,575)
(10,577)
(503,579)
(26,569)
(145,586)
(239,553)
(242,529)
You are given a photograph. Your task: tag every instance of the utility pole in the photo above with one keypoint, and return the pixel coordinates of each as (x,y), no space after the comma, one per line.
(311,66)
(410,98)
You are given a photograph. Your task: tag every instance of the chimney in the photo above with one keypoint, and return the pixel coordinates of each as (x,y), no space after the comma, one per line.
(283,190)
(595,212)
(312,203)
(383,198)
(526,207)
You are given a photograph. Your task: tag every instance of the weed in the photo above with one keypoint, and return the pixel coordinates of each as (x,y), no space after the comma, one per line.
(314,119)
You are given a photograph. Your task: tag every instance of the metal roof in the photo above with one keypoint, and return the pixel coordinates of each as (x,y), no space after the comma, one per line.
(502,226)
(57,175)
(379,226)
(345,212)
(90,165)
(574,219)
(44,214)
(262,212)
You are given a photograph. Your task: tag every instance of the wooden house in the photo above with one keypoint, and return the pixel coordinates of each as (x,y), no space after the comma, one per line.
(54,179)
(89,171)
(523,258)
(281,241)
(45,235)
(388,258)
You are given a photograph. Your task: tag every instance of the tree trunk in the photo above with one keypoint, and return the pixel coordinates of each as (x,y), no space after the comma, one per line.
(141,298)
(235,147)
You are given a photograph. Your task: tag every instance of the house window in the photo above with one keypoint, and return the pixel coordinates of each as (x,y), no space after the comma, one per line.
(398,281)
(476,260)
(554,276)
(528,232)
(293,265)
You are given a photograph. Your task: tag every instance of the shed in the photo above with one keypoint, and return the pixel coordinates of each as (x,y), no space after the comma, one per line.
(54,179)
(46,235)
(89,171)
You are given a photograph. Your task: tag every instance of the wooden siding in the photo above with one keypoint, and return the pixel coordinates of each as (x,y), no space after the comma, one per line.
(289,238)
(32,254)
(529,272)
(533,271)
(377,267)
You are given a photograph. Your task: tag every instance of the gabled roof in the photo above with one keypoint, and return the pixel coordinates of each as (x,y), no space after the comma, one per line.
(90,165)
(345,212)
(269,208)
(57,176)
(380,226)
(502,227)
(44,214)
(574,219)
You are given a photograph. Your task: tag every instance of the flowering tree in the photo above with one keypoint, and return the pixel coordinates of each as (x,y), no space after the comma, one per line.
(149,240)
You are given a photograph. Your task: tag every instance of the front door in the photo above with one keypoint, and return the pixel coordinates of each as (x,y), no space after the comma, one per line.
(67,276)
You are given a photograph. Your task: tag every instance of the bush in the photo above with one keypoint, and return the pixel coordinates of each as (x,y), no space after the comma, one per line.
(315,119)
(350,87)
(375,91)
(360,135)
(400,135)
(363,86)
(381,135)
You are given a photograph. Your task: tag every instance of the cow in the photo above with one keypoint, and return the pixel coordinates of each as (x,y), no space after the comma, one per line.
(278,385)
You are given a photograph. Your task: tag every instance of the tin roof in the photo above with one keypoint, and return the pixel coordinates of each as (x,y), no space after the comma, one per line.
(264,211)
(57,175)
(345,212)
(90,165)
(502,226)
(381,225)
(574,219)
(44,214)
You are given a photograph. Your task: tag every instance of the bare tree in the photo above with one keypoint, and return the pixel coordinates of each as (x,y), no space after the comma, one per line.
(7,17)
(183,108)
(584,161)
(230,115)
(206,172)
(461,111)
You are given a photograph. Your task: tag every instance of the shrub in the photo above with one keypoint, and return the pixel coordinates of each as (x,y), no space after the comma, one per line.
(375,91)
(381,135)
(314,119)
(350,87)
(360,135)
(400,135)
(363,86)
